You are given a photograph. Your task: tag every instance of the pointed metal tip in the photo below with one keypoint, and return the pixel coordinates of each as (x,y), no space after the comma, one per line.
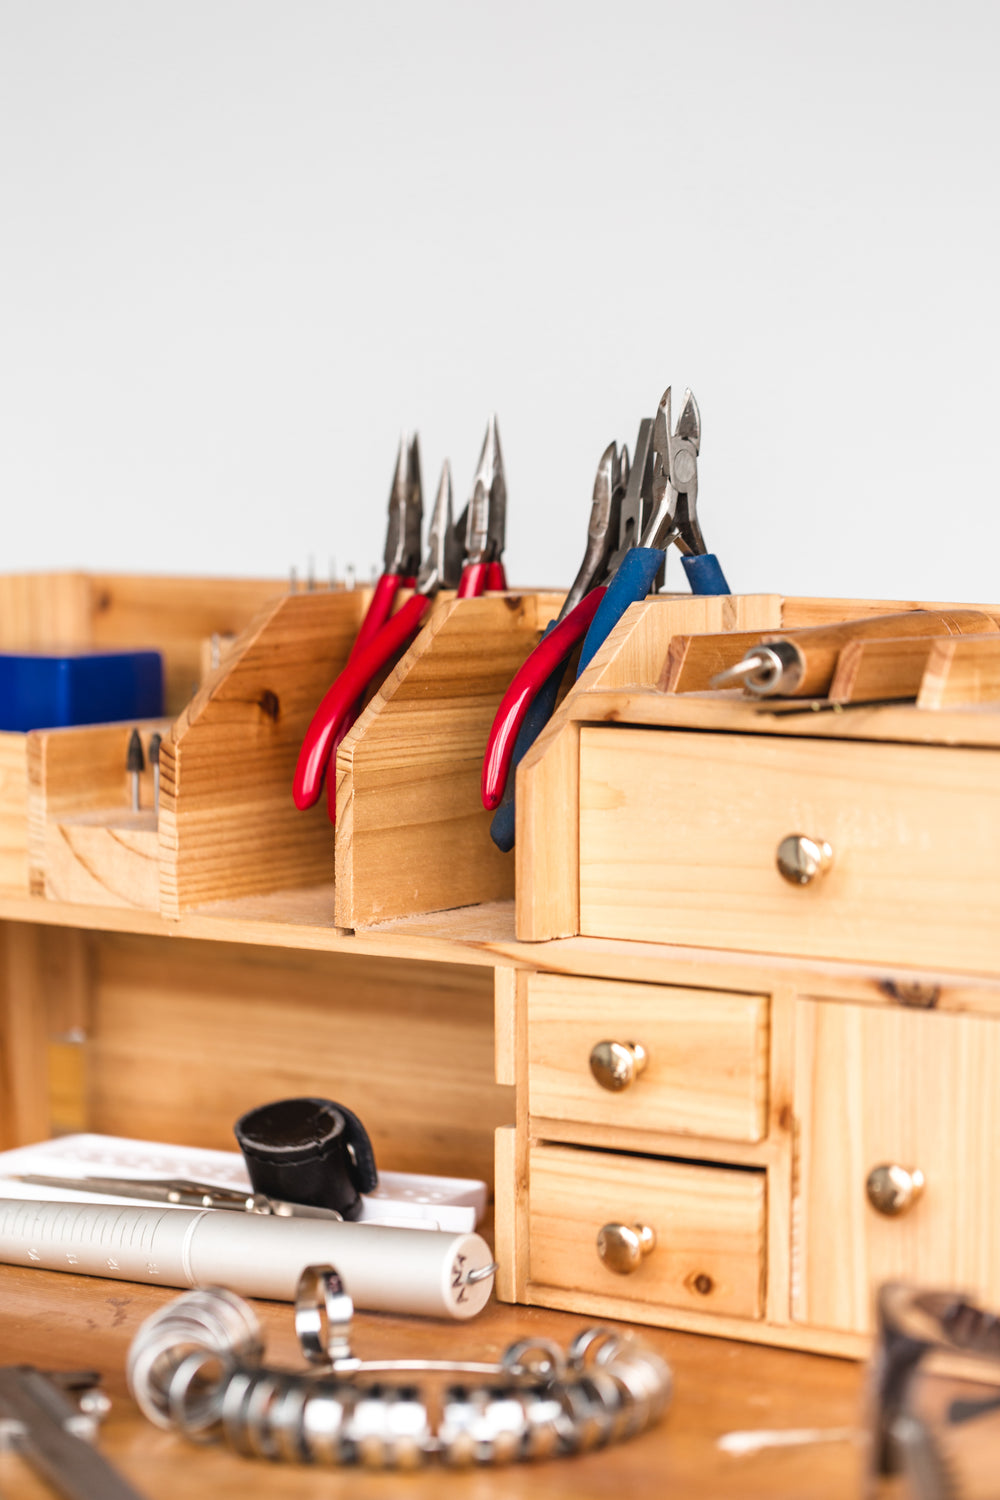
(689,421)
(444,493)
(134,758)
(413,458)
(490,456)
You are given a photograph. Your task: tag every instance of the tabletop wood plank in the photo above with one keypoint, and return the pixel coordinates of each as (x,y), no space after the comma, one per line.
(62,1322)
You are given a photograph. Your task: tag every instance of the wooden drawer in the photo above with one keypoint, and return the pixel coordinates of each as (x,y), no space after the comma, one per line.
(706,1067)
(679,835)
(914,1089)
(708,1223)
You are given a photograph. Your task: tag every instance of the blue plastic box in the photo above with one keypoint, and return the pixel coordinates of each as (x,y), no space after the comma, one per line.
(42,690)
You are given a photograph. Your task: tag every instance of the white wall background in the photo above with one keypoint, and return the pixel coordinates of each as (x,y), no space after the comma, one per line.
(244,242)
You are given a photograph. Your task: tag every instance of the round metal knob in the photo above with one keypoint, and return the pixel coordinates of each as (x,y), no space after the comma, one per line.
(893,1189)
(801,859)
(622,1247)
(617,1064)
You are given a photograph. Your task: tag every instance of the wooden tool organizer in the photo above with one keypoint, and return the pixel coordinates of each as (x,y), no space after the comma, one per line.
(411,835)
(779,1046)
(784,1058)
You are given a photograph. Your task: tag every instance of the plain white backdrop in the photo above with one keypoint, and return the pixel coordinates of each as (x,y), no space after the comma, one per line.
(243,243)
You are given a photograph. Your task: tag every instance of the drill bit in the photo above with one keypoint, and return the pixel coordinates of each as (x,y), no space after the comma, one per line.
(154,760)
(135,764)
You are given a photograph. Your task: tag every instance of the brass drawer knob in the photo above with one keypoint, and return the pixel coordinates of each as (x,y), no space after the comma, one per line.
(893,1189)
(617,1064)
(801,859)
(622,1247)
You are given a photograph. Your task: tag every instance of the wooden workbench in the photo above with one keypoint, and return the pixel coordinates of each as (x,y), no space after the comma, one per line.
(62,1322)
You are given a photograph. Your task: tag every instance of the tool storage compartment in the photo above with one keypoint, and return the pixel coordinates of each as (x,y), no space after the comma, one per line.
(682,838)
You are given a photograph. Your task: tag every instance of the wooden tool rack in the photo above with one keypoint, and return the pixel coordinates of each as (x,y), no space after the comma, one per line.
(156,979)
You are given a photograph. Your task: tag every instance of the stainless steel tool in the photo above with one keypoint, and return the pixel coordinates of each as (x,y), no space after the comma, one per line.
(53,1432)
(182,1193)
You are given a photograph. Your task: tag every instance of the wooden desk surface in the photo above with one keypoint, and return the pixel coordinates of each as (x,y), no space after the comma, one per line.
(69,1322)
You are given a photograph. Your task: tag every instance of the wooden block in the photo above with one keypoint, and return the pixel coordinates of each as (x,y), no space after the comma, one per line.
(961,670)
(228,825)
(412,835)
(694,660)
(13,813)
(106,858)
(79,774)
(868,670)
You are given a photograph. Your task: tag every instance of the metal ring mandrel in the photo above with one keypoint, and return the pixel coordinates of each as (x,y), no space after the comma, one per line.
(765,671)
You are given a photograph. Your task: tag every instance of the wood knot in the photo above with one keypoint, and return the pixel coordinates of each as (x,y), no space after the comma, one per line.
(103,602)
(268,704)
(702,1284)
(914,996)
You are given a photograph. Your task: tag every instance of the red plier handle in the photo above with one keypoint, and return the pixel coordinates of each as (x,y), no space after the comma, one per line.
(550,651)
(350,685)
(379,610)
(481,578)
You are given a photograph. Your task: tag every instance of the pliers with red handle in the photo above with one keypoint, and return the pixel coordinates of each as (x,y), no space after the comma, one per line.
(483,526)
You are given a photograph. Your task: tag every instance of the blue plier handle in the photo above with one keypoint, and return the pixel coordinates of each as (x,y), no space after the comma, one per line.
(659,508)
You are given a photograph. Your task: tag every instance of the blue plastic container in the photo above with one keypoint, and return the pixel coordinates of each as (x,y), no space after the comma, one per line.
(41,690)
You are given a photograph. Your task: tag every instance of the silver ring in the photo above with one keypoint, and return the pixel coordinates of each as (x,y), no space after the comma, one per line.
(323,1316)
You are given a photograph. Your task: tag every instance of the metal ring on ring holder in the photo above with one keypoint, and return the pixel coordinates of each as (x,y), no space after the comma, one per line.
(195,1366)
(324,1312)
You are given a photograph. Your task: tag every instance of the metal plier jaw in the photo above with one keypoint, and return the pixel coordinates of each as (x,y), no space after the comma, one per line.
(406,511)
(442,564)
(603,530)
(673,515)
(486,513)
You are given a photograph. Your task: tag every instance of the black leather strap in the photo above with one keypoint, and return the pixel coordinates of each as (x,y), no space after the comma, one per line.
(309,1151)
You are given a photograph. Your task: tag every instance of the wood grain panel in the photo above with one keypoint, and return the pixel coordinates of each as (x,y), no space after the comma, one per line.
(188,1036)
(706,1073)
(708,1221)
(679,833)
(960,672)
(228,825)
(412,834)
(893,1086)
(13,813)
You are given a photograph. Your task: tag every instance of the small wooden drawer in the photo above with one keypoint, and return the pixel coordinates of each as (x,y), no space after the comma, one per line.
(708,1224)
(679,834)
(705,1068)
